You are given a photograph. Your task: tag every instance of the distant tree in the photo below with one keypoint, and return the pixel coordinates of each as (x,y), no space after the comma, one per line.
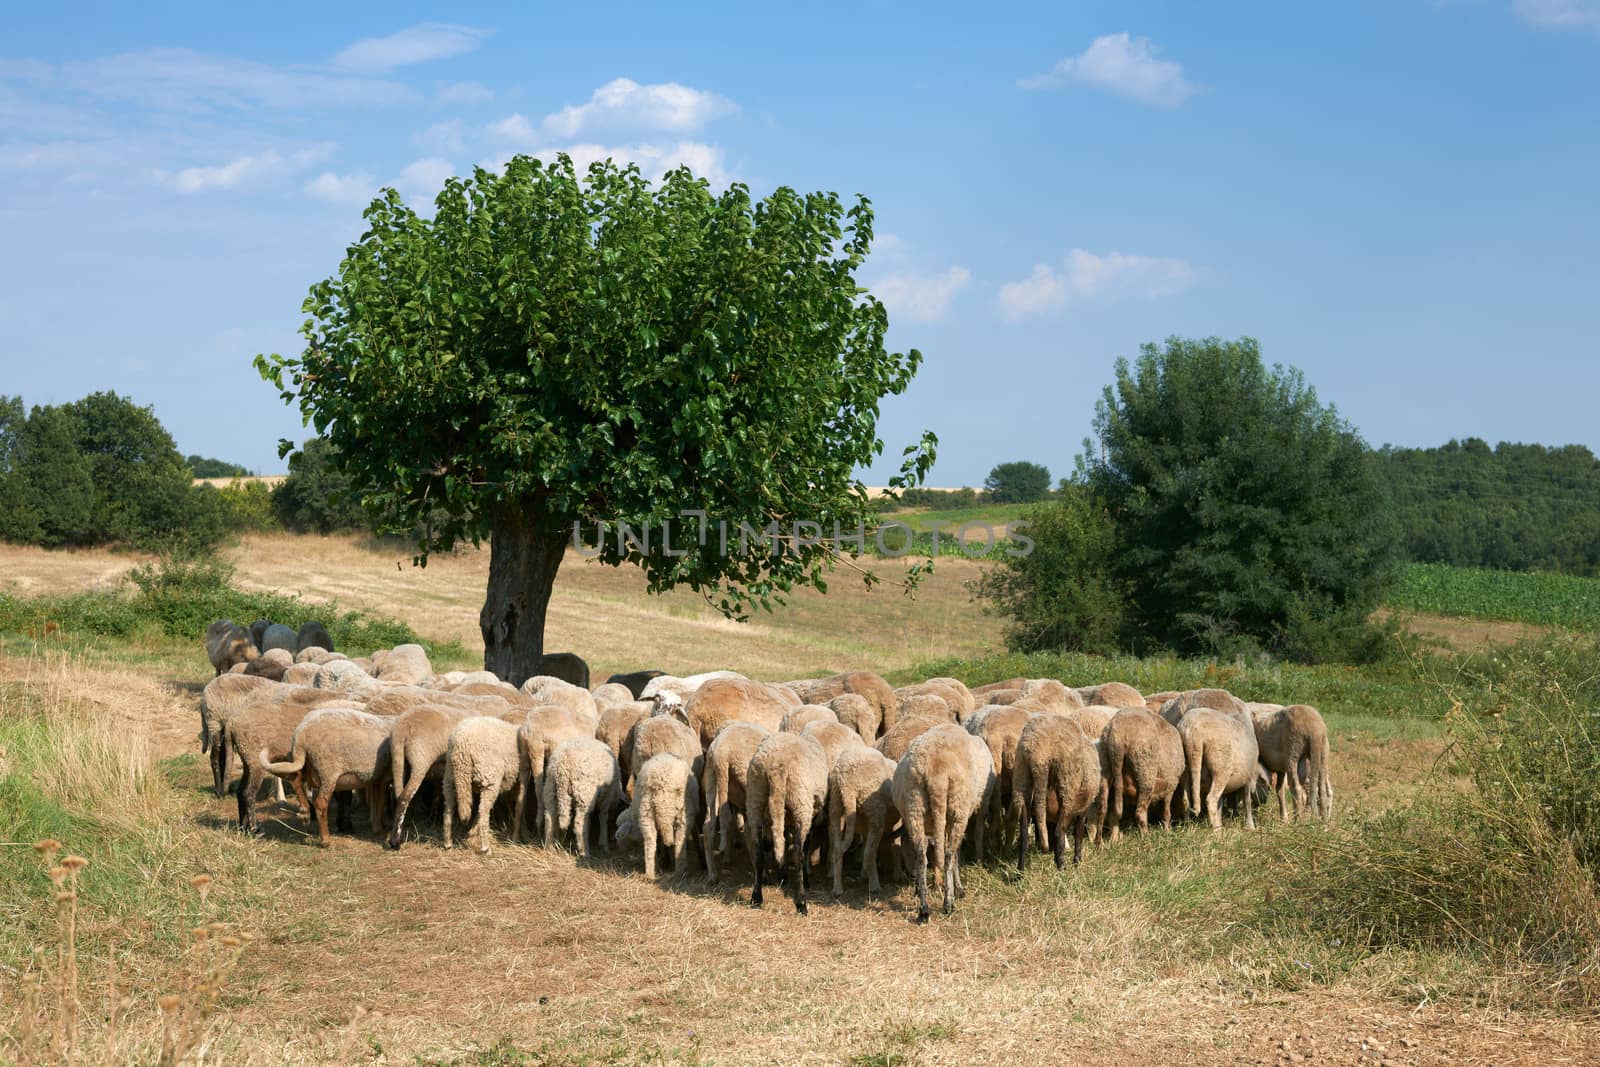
(19,516)
(548,349)
(317,496)
(57,483)
(1019,482)
(204,467)
(1247,513)
(141,483)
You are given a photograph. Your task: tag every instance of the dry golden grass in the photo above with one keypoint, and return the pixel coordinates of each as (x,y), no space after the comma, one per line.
(364,955)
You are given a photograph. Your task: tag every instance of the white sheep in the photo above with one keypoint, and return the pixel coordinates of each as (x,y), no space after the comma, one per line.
(723,780)
(860,800)
(936,792)
(665,806)
(786,797)
(480,762)
(581,779)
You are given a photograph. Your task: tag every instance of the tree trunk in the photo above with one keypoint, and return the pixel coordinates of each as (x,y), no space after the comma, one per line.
(523,559)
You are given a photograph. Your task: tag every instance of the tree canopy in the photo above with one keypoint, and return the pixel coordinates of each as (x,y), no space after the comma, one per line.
(548,350)
(1018,482)
(1245,509)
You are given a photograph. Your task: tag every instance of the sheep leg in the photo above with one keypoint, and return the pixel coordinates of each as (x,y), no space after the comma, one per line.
(1022,815)
(839,838)
(917,855)
(324,796)
(1213,806)
(219,764)
(449,811)
(949,852)
(1250,808)
(480,822)
(520,807)
(802,865)
(580,824)
(682,843)
(396,833)
(246,797)
(647,829)
(342,804)
(1141,808)
(869,855)
(298,782)
(1299,791)
(1058,836)
(757,847)
(1077,841)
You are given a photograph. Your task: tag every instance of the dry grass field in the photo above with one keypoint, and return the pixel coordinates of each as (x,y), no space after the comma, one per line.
(529,956)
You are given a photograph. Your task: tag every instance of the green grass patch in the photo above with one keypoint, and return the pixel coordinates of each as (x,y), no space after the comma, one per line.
(1511,596)
(177,599)
(1402,688)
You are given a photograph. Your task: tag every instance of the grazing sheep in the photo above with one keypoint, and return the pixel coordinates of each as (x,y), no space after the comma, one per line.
(568,666)
(796,719)
(1047,694)
(228,644)
(337,749)
(301,674)
(313,654)
(418,740)
(1216,699)
(1154,702)
(878,694)
(723,700)
(403,665)
(663,812)
(277,635)
(347,677)
(786,794)
(611,694)
(270,664)
(1287,737)
(834,737)
(1111,695)
(1144,764)
(925,706)
(542,730)
(669,692)
(657,734)
(581,779)
(258,632)
(634,681)
(935,791)
(227,695)
(994,687)
(1000,727)
(723,780)
(1003,697)
(1221,751)
(499,690)
(614,725)
(1093,720)
(895,742)
(1057,767)
(312,634)
(480,762)
(854,711)
(957,699)
(548,689)
(860,800)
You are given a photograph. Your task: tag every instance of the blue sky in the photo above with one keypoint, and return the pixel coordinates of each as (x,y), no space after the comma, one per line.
(1398,197)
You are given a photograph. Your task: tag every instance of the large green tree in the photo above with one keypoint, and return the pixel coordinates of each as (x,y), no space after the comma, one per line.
(317,496)
(143,487)
(550,349)
(1247,513)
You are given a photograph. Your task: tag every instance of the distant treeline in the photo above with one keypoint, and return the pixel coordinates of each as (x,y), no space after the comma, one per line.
(103,470)
(1513,506)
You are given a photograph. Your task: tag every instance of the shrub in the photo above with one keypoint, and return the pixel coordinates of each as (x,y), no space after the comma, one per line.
(1061,595)
(317,497)
(1019,482)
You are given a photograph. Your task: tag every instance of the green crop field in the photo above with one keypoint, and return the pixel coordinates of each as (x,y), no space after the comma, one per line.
(1514,596)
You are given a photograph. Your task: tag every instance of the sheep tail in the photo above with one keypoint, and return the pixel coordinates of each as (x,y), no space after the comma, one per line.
(296,763)
(775,814)
(1193,750)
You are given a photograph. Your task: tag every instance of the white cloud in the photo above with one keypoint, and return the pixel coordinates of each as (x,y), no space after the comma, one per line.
(463,93)
(654,160)
(625,104)
(421,180)
(418,44)
(513,130)
(441,137)
(921,298)
(1127,66)
(242,170)
(1560,14)
(347,190)
(1040,290)
(182,79)
(1086,276)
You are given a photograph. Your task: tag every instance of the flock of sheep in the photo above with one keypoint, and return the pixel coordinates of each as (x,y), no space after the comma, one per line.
(663,763)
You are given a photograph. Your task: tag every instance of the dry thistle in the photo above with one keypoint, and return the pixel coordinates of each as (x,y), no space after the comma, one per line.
(47,848)
(57,874)
(74,863)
